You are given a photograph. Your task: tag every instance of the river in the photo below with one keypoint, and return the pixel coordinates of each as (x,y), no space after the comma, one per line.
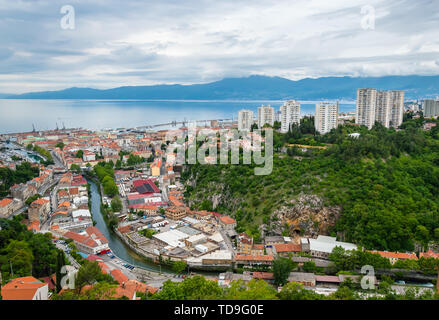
(117,246)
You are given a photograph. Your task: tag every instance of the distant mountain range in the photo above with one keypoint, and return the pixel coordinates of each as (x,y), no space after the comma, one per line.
(254,88)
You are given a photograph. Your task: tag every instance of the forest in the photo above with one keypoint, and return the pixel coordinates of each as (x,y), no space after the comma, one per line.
(385,181)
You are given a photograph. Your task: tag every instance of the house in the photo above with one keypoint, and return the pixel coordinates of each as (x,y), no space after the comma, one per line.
(274,240)
(327,281)
(176,213)
(23,191)
(257,249)
(429,254)
(322,246)
(39,210)
(245,243)
(25,288)
(286,249)
(395,256)
(305,278)
(228,223)
(250,260)
(8,206)
(92,242)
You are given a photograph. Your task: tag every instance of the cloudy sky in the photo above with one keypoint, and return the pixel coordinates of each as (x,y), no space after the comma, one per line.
(117,43)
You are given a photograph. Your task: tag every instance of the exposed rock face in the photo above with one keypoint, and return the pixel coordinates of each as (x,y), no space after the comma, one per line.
(307,214)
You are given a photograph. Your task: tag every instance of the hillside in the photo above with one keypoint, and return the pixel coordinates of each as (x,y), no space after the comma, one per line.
(254,88)
(379,190)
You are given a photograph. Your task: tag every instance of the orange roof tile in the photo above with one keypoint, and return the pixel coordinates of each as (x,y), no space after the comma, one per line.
(5,202)
(21,288)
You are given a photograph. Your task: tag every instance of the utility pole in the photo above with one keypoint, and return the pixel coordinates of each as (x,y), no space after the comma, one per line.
(12,272)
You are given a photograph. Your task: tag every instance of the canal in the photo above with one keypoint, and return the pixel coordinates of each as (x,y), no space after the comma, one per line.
(117,246)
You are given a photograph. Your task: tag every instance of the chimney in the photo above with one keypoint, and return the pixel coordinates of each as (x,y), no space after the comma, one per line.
(123,285)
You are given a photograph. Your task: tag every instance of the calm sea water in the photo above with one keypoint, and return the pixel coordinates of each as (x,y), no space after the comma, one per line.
(20,115)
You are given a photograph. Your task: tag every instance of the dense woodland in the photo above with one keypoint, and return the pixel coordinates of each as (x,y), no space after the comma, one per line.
(386,182)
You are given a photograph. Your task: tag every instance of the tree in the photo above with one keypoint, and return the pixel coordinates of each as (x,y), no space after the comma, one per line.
(79,154)
(116,204)
(295,291)
(60,145)
(59,264)
(255,289)
(281,270)
(179,266)
(75,168)
(88,274)
(17,258)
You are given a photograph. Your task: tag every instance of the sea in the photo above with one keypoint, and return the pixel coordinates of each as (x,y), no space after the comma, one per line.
(24,115)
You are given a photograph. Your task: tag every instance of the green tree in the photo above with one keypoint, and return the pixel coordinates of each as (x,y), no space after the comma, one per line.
(89,273)
(116,204)
(179,266)
(281,270)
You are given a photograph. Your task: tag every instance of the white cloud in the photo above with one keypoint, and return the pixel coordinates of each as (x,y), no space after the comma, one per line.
(145,42)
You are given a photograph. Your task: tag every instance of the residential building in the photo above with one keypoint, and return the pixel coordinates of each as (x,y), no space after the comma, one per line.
(395,256)
(25,288)
(384,108)
(244,243)
(323,246)
(8,206)
(228,223)
(92,241)
(366,107)
(304,278)
(290,113)
(265,116)
(176,213)
(245,120)
(39,210)
(326,117)
(250,260)
(431,108)
(396,108)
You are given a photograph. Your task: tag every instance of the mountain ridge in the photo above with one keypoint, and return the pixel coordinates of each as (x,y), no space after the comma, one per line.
(254,87)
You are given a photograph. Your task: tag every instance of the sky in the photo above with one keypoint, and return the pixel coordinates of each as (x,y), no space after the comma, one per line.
(115,43)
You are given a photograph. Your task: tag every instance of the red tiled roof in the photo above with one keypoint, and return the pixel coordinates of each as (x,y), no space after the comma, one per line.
(227,220)
(263,275)
(333,279)
(288,247)
(21,288)
(396,255)
(119,276)
(247,257)
(429,254)
(5,202)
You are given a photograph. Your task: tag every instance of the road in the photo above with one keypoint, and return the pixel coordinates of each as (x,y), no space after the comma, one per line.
(58,162)
(227,241)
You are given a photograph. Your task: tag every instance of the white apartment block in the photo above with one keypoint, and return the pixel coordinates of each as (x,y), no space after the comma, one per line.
(265,116)
(385,107)
(290,113)
(431,108)
(326,117)
(397,108)
(366,107)
(245,120)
